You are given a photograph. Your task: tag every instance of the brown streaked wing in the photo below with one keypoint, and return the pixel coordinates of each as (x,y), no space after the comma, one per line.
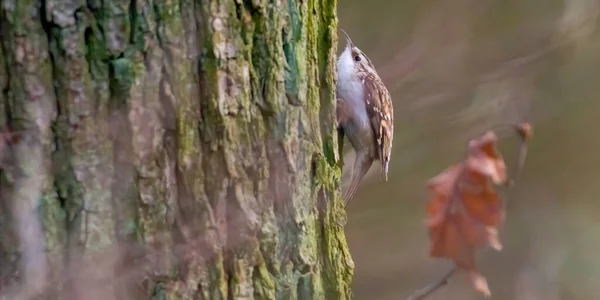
(381,113)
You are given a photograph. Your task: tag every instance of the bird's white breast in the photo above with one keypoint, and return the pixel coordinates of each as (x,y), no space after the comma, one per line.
(350,87)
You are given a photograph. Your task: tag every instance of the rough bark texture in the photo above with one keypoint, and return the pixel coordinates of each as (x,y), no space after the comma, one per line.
(172,150)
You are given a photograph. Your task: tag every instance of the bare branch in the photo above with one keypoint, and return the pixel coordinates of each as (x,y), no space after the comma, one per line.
(426,291)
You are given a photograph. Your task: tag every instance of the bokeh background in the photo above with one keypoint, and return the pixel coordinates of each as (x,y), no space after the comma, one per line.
(454,68)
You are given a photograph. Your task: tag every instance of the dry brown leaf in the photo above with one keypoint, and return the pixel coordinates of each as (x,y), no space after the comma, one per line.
(465,211)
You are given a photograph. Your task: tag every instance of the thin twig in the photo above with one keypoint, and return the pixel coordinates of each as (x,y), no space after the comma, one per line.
(426,291)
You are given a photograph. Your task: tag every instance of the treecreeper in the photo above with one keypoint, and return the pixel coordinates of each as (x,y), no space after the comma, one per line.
(365,114)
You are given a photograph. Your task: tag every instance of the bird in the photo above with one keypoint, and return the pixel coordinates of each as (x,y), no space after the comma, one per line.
(364,112)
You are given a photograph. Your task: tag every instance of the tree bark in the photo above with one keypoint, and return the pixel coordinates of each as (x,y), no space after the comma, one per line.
(170,150)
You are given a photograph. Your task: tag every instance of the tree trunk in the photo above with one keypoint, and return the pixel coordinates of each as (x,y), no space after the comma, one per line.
(170,150)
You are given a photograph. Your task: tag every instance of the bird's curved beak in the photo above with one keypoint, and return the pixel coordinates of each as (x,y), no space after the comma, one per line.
(348,40)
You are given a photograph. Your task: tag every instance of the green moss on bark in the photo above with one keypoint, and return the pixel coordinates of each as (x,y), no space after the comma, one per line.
(196,135)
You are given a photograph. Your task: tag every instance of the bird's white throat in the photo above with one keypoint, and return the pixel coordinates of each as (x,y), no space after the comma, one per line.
(349,85)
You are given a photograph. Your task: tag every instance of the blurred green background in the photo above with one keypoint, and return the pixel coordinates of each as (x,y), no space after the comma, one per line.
(454,68)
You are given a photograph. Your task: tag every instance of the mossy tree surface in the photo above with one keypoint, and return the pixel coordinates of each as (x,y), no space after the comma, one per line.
(172,150)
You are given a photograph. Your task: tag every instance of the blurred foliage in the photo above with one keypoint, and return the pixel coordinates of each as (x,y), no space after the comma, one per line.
(474,64)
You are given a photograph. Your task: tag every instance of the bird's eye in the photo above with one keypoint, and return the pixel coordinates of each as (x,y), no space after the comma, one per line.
(357,58)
